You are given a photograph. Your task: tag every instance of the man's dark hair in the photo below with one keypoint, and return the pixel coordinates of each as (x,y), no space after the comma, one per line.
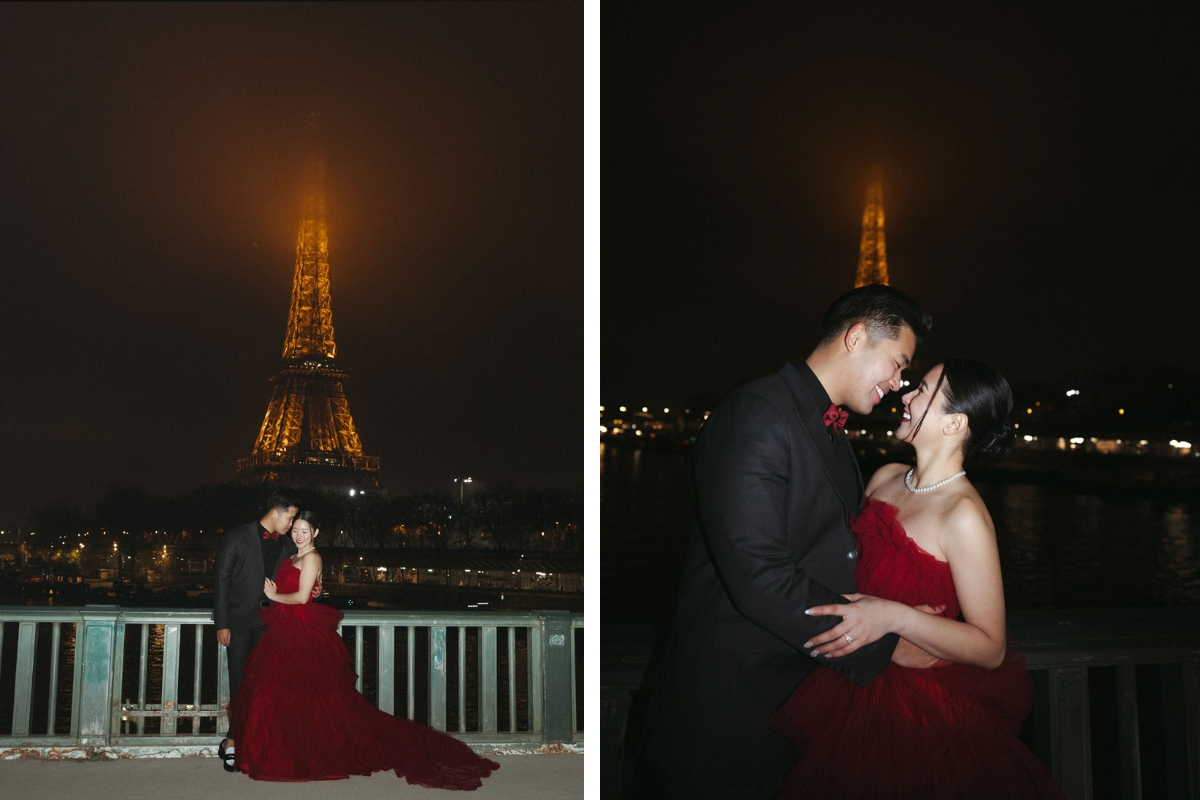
(881,308)
(282,498)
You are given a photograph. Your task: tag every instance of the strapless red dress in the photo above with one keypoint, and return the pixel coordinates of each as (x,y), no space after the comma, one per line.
(297,716)
(945,732)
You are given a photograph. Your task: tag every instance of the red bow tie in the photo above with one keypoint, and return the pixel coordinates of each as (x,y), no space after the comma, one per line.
(835,419)
(272,535)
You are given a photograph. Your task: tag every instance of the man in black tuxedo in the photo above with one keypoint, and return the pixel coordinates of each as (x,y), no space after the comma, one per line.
(776,484)
(248,555)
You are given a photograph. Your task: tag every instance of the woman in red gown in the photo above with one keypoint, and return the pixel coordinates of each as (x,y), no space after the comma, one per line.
(928,552)
(297,716)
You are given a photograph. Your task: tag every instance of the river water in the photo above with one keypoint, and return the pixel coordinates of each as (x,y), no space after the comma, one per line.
(1059,548)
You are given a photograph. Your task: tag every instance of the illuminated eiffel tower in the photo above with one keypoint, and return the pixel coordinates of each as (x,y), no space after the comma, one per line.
(872,250)
(308,436)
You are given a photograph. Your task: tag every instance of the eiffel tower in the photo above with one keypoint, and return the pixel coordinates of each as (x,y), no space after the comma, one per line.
(308,437)
(872,250)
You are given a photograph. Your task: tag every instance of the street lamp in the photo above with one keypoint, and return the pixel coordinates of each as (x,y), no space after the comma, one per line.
(462,482)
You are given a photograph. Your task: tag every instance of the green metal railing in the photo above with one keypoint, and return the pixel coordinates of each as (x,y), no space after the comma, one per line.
(1116,710)
(98,644)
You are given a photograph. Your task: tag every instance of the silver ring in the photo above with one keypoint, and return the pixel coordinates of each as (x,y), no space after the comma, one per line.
(848,639)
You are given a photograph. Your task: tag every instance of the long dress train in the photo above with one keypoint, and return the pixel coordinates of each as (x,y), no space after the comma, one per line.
(297,716)
(946,732)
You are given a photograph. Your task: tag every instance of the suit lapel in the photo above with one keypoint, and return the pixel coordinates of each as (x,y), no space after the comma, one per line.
(805,408)
(255,547)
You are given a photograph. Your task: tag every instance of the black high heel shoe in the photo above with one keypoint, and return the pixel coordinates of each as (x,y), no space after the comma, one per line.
(226,757)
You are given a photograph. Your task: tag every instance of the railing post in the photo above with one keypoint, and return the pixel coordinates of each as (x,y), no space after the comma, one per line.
(222,690)
(170,678)
(23,688)
(437,677)
(487,679)
(96,701)
(1070,735)
(1191,702)
(1127,732)
(386,658)
(557,700)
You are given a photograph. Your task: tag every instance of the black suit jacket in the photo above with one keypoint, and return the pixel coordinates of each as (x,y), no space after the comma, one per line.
(774,495)
(238,585)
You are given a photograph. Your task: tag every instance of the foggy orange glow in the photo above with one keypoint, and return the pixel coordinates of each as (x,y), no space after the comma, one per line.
(872,251)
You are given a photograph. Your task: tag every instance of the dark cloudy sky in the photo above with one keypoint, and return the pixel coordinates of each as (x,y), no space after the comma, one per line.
(150,165)
(1040,171)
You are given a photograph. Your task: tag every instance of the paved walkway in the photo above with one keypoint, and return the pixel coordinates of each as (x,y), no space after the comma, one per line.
(534,777)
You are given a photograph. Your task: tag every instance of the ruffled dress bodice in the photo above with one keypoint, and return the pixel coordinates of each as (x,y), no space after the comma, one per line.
(950,731)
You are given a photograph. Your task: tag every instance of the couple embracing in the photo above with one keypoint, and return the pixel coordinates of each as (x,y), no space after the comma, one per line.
(832,640)
(294,714)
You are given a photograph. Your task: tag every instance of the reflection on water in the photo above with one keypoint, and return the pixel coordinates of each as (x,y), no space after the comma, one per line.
(1058,548)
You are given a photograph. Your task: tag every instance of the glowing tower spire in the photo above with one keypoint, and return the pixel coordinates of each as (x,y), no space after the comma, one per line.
(308,435)
(872,251)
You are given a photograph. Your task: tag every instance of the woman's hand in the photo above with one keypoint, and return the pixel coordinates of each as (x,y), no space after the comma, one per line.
(865,619)
(269,588)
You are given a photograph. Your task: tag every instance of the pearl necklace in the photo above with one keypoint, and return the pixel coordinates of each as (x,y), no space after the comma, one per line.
(908,477)
(314,547)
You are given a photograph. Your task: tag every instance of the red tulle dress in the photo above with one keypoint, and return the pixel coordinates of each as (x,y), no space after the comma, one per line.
(945,732)
(297,716)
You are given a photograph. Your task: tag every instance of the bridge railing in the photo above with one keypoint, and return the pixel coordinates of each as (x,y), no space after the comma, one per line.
(1116,706)
(146,680)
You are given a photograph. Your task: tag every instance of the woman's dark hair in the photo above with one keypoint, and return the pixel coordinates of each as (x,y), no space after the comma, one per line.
(310,517)
(881,308)
(982,394)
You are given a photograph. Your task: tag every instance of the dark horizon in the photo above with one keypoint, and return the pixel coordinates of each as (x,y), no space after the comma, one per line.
(153,160)
(1038,182)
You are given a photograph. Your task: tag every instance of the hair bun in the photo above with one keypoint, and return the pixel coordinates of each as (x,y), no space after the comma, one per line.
(994,445)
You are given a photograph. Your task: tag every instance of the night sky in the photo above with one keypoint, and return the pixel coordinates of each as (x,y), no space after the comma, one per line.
(1040,172)
(151,160)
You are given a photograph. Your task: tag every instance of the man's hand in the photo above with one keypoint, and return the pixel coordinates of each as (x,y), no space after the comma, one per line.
(223,637)
(909,655)
(316,592)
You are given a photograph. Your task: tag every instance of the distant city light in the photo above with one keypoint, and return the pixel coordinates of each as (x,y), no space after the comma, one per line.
(1076,440)
(644,409)
(639,433)
(1181,444)
(666,411)
(1029,411)
(622,408)
(601,408)
(1072,392)
(1120,411)
(352,493)
(1028,438)
(603,429)
(903,384)
(889,433)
